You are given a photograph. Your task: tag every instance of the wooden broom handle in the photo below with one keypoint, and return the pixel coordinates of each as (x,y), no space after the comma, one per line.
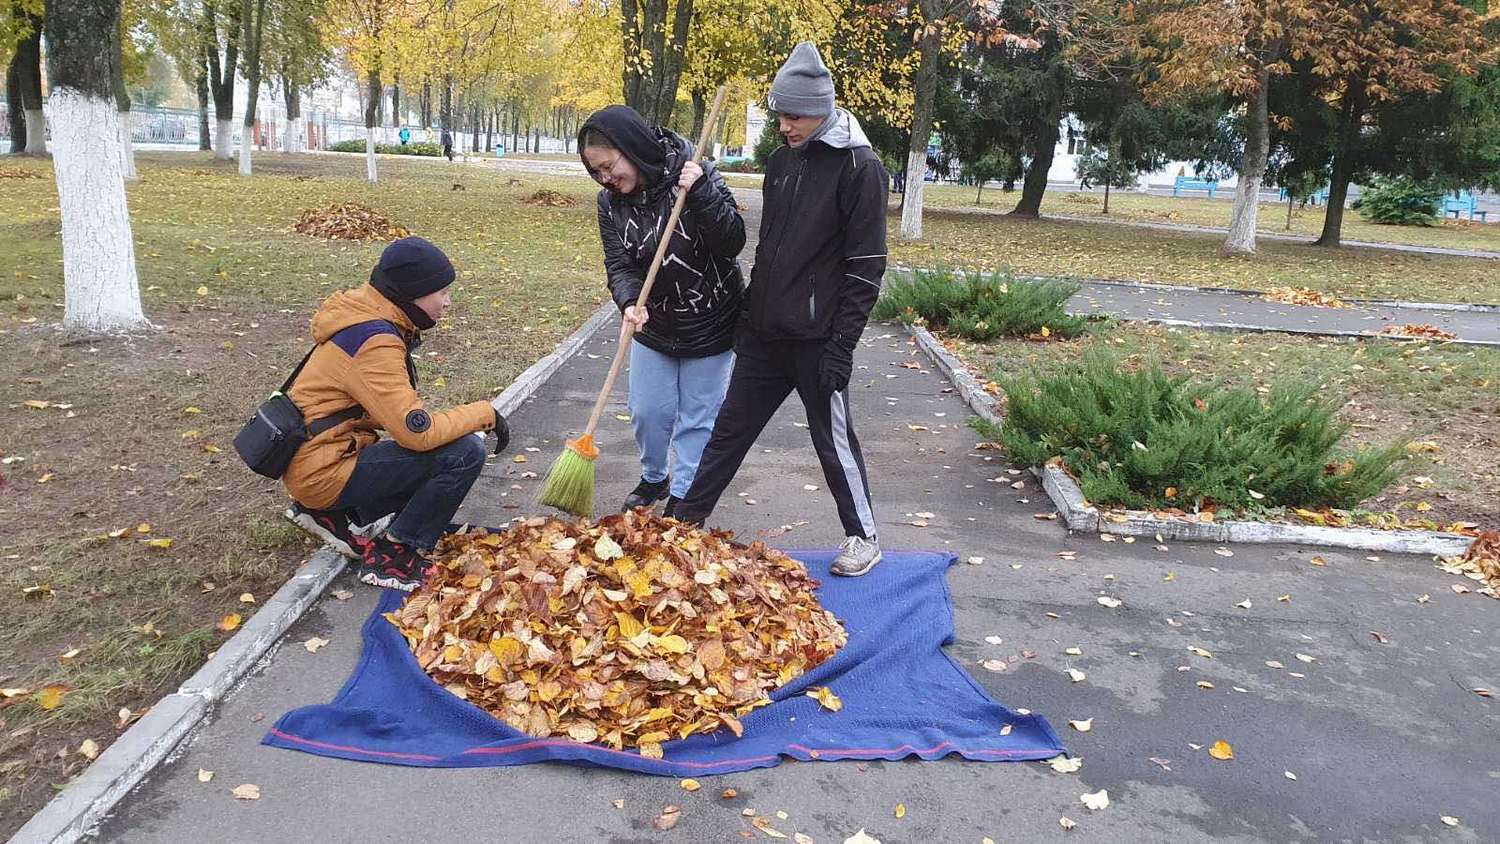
(661,250)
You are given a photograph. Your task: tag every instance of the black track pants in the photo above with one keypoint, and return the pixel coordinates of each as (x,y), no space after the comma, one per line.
(764,375)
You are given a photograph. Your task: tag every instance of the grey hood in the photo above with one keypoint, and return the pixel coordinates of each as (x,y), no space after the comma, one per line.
(841,131)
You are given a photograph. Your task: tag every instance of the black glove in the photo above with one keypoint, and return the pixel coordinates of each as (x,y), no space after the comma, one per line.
(836,366)
(502,432)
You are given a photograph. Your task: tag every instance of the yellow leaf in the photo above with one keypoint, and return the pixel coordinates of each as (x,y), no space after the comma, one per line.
(901,807)
(1046,332)
(211,449)
(629,626)
(192,411)
(229,622)
(826,698)
(143,527)
(651,749)
(202,290)
(33,403)
(507,649)
(519,458)
(162,543)
(247,598)
(47,478)
(51,697)
(671,644)
(690,785)
(192,435)
(1221,750)
(205,776)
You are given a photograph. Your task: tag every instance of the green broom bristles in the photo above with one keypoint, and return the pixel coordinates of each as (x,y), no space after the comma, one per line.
(570,482)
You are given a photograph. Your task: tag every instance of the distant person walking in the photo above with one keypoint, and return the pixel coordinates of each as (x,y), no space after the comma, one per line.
(405,135)
(447,143)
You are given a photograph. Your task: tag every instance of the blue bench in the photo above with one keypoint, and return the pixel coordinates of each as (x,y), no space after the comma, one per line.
(1182,183)
(1318,198)
(1461,202)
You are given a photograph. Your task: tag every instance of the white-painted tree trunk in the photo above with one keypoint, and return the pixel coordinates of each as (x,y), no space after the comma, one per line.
(370,155)
(100,288)
(127,148)
(224,140)
(299,136)
(911,206)
(36,132)
(246,143)
(1241,238)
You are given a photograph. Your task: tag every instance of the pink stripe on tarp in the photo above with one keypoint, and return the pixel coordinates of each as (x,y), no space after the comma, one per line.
(814,752)
(905,749)
(347,749)
(514,748)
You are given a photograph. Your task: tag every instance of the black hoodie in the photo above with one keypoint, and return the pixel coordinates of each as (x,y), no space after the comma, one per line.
(696,299)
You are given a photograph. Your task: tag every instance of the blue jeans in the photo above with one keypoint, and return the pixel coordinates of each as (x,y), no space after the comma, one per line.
(673,402)
(424,488)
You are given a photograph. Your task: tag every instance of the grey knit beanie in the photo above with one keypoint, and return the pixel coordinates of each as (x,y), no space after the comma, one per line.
(803,86)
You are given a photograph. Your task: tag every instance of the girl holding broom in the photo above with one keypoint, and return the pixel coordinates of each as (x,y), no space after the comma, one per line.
(682,355)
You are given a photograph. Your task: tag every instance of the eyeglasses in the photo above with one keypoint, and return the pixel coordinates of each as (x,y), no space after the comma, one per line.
(601,174)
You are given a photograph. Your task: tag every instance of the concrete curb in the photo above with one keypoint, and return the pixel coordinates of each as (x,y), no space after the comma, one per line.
(85,801)
(1459,307)
(1079,515)
(537,374)
(983,404)
(1327,332)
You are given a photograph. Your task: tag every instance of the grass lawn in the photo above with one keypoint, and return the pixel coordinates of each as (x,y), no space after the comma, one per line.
(1445,397)
(1078,249)
(137,432)
(1199,210)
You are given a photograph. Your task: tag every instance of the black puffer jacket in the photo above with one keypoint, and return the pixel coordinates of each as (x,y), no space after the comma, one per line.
(697,295)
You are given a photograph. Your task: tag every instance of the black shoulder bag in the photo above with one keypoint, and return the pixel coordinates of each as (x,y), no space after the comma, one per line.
(270,440)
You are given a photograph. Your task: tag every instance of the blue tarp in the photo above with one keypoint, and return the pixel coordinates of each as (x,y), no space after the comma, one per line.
(903,696)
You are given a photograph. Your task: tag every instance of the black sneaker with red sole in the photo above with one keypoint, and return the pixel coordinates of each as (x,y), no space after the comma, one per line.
(333,527)
(391,564)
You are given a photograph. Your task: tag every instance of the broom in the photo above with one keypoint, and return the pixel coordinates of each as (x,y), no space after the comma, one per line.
(570,482)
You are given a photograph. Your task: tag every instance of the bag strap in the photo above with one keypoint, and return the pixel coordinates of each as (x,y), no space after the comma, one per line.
(287,384)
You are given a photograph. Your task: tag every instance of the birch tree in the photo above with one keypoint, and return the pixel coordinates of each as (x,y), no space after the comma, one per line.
(101,291)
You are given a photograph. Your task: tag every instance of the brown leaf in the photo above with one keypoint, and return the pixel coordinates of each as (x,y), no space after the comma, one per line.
(668,818)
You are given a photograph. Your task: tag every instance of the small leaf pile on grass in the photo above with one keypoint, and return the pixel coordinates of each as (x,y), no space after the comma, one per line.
(632,631)
(982,306)
(349,221)
(551,199)
(1146,440)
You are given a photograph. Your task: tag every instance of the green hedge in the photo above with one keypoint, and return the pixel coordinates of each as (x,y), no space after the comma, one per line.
(981,306)
(417,148)
(1401,201)
(1131,436)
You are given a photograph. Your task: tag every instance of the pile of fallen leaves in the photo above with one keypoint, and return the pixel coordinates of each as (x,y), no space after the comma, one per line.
(551,199)
(1480,562)
(17,173)
(349,221)
(631,631)
(1304,296)
(1418,331)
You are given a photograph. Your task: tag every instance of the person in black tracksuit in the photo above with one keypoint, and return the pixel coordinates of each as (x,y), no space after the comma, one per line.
(817,274)
(681,355)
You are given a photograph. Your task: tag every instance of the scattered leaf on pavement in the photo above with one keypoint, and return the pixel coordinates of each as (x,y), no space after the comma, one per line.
(248,791)
(1221,750)
(205,776)
(1064,765)
(314,644)
(1097,801)
(668,818)
(1066,822)
(690,784)
(1082,726)
(900,810)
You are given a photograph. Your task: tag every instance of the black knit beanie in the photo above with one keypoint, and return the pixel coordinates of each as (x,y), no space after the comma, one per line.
(409,269)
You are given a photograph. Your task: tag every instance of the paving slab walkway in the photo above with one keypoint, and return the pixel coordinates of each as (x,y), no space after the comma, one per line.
(1384,738)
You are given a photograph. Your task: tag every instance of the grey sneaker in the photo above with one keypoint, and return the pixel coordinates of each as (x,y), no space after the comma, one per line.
(859,556)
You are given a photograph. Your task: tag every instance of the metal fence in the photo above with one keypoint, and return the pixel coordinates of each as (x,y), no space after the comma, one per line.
(178,128)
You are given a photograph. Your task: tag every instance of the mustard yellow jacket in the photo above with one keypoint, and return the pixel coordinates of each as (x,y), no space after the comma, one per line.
(360,360)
